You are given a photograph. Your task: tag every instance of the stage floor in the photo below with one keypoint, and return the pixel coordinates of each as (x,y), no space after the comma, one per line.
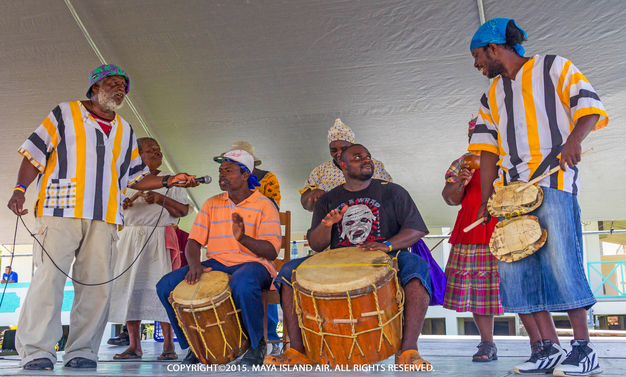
(450,356)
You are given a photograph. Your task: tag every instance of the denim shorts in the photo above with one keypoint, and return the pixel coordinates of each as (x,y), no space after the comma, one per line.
(410,265)
(552,279)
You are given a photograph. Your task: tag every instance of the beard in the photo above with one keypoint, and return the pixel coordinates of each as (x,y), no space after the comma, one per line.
(360,174)
(107,100)
(494,67)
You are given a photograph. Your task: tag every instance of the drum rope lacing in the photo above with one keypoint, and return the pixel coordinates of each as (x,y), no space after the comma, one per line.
(354,341)
(318,319)
(180,323)
(200,330)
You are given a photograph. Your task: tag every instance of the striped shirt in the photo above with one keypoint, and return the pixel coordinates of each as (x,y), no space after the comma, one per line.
(83,172)
(527,121)
(327,176)
(213,228)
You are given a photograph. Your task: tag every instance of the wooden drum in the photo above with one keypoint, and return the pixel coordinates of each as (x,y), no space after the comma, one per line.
(206,312)
(349,305)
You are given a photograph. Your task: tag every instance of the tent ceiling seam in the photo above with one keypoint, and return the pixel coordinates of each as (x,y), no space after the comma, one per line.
(128,99)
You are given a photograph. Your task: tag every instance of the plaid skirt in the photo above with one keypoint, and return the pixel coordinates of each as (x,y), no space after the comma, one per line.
(473,281)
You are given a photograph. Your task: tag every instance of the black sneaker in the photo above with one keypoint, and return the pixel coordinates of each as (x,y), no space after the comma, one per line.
(39,364)
(544,358)
(81,362)
(255,356)
(581,361)
(190,358)
(121,340)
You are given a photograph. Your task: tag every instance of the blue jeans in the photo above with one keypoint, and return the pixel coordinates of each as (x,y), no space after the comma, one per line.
(272,322)
(246,285)
(411,266)
(553,278)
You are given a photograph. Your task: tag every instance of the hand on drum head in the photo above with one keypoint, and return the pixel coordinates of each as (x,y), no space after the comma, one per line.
(373,246)
(195,271)
(334,217)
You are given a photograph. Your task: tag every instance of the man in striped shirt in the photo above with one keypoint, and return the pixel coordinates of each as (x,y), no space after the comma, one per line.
(537,110)
(241,230)
(83,155)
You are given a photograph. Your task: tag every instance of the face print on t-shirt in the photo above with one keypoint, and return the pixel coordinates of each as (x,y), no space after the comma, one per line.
(360,223)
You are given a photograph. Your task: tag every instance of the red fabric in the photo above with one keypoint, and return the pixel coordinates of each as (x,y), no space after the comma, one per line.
(467,215)
(171,243)
(183,237)
(106,127)
(104,124)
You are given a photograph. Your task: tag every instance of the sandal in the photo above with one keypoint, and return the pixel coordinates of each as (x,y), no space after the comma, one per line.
(488,349)
(289,357)
(413,361)
(169,355)
(126,355)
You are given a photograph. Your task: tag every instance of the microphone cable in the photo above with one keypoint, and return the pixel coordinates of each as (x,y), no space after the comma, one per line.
(75,280)
(10,263)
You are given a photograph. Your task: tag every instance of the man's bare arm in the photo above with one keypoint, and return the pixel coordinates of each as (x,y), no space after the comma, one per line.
(25,176)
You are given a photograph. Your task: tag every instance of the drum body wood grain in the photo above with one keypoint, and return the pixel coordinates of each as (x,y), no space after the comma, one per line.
(350,306)
(206,313)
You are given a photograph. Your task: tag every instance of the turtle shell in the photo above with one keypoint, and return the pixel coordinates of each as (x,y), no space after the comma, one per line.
(517,238)
(505,202)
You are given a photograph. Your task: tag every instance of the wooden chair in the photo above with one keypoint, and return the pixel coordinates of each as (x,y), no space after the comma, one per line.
(272,297)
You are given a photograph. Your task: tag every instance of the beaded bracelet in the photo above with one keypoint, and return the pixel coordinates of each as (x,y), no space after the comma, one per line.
(389,245)
(21,188)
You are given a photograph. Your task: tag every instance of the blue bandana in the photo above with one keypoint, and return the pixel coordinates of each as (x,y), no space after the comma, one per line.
(253,181)
(494,31)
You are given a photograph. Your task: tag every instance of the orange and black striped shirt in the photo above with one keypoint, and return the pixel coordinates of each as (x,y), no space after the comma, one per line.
(83,171)
(527,121)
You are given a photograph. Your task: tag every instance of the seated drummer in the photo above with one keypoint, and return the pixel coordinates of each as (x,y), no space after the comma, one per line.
(243,250)
(373,215)
(328,175)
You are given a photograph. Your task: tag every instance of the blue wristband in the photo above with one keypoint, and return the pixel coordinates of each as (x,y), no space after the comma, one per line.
(388,244)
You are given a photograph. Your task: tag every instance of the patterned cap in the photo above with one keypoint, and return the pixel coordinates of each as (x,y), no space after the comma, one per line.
(245,146)
(240,156)
(340,131)
(106,71)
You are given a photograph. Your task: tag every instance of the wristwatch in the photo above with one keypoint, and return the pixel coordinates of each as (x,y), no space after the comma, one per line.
(165,179)
(388,244)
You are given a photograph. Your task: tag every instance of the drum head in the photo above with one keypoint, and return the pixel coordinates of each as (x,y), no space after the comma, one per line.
(344,270)
(209,288)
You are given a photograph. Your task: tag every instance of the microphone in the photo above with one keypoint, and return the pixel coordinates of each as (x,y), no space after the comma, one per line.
(206,180)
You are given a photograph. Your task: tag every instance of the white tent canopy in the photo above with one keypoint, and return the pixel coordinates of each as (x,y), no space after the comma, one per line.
(278,73)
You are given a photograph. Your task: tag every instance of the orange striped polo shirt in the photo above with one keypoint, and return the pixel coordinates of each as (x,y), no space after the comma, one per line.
(213,228)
